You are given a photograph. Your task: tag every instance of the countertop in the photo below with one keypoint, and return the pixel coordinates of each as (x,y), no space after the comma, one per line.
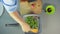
(50,24)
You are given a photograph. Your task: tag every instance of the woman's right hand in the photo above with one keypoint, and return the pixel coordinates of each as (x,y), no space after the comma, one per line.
(25,27)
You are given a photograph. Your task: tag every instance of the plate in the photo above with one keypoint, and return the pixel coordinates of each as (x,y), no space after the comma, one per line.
(1,8)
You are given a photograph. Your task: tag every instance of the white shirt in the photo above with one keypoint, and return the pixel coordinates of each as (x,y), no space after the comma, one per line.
(10,5)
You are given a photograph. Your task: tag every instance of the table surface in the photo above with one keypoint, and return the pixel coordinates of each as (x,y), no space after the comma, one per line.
(50,24)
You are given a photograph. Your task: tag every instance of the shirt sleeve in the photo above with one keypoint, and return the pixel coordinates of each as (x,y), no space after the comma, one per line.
(10,5)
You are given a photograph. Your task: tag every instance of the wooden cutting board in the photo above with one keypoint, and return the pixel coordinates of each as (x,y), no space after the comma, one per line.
(34,7)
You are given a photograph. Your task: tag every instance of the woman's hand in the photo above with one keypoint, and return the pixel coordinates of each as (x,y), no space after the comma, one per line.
(25,27)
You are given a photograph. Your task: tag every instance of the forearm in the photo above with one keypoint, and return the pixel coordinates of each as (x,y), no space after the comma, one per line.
(11,9)
(17,17)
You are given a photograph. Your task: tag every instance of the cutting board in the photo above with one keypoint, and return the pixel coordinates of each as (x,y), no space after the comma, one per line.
(34,7)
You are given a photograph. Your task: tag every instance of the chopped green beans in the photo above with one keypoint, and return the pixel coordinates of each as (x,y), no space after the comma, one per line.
(32,21)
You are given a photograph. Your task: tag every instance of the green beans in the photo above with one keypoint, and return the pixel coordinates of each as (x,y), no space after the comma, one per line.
(32,21)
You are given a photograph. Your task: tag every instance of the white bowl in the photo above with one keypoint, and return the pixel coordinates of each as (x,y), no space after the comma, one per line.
(1,8)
